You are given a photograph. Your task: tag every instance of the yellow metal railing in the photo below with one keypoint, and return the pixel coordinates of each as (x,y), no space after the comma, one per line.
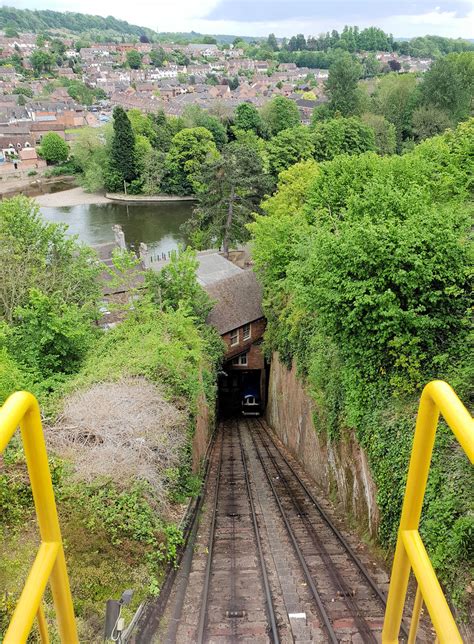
(410,554)
(49,565)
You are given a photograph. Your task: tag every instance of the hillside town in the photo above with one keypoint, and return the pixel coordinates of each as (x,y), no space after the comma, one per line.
(36,96)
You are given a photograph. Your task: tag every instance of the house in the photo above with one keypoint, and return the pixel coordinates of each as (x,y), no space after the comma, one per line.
(238,317)
(29,159)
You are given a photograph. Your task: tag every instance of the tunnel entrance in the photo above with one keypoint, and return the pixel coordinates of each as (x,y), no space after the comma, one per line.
(237,385)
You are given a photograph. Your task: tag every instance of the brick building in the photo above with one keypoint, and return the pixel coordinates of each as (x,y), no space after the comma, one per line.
(239,319)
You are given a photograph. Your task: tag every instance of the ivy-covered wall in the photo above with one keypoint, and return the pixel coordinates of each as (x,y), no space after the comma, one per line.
(365,268)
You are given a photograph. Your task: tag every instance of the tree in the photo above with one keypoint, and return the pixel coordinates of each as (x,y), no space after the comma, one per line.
(53,148)
(428,121)
(123,147)
(272,42)
(395,98)
(280,114)
(289,147)
(247,117)
(90,155)
(157,57)
(134,59)
(195,116)
(176,285)
(189,151)
(384,131)
(394,65)
(341,85)
(342,136)
(36,254)
(41,61)
(449,85)
(233,185)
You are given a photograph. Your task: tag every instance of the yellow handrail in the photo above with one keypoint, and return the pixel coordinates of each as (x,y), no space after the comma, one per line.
(437,397)
(50,565)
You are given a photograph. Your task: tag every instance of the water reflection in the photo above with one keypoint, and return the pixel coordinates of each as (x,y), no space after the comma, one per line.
(157,225)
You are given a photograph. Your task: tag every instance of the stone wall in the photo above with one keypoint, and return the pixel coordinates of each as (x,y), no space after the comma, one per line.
(340,468)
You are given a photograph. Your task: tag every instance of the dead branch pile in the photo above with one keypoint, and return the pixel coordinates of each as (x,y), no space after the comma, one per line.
(120,431)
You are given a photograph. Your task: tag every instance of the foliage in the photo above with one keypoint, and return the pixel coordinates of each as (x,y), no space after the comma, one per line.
(384,132)
(366,288)
(50,336)
(449,85)
(190,149)
(288,147)
(428,121)
(233,186)
(341,85)
(342,136)
(53,148)
(47,297)
(157,56)
(134,59)
(247,117)
(123,147)
(195,116)
(33,20)
(90,154)
(176,286)
(280,114)
(42,61)
(395,98)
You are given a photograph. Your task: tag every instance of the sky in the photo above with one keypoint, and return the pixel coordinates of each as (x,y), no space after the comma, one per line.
(402,18)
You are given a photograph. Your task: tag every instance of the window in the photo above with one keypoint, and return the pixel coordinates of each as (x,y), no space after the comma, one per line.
(246,332)
(234,337)
(240,361)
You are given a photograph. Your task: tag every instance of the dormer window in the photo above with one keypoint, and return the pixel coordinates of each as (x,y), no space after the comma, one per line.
(234,337)
(246,332)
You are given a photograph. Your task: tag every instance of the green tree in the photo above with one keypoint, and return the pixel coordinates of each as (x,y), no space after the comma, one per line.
(449,85)
(428,121)
(134,59)
(280,114)
(247,117)
(157,56)
(50,336)
(272,42)
(195,116)
(189,151)
(53,148)
(123,147)
(396,98)
(90,154)
(233,185)
(342,85)
(342,136)
(176,285)
(288,147)
(384,131)
(41,61)
(37,254)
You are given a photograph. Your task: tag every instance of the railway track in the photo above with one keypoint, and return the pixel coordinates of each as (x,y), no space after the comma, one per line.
(267,564)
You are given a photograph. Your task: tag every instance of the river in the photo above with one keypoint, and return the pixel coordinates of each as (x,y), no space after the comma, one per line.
(155,224)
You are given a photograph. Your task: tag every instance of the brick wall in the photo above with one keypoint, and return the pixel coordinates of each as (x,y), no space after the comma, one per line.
(257,329)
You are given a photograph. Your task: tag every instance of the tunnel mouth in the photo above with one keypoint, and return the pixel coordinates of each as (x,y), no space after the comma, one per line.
(240,392)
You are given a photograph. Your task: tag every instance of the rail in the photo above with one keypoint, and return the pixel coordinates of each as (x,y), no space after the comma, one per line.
(410,554)
(22,409)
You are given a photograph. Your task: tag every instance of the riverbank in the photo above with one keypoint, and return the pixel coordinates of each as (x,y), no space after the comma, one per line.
(146,198)
(78,197)
(72,197)
(34,186)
